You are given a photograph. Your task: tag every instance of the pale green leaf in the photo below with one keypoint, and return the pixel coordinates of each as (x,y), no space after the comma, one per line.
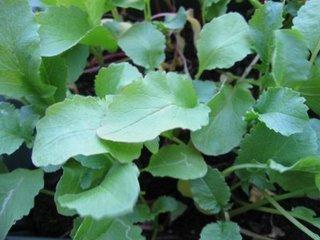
(177,161)
(306,215)
(289,66)
(216,9)
(97,161)
(221,231)
(150,106)
(116,195)
(76,60)
(116,76)
(315,124)
(69,129)
(166,204)
(73,179)
(226,125)
(223,41)
(176,21)
(54,71)
(18,189)
(153,145)
(282,110)
(263,144)
(308,23)
(108,229)
(205,90)
(211,193)
(144,44)
(310,89)
(17,126)
(308,164)
(262,26)
(20,54)
(62,28)
(137,4)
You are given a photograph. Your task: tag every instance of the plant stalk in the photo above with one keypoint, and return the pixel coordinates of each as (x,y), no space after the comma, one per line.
(288,216)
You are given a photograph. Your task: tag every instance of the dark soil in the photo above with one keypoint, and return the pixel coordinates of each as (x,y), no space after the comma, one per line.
(44,220)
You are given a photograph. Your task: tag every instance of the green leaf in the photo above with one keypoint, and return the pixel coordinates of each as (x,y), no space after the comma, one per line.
(315,125)
(263,144)
(69,129)
(69,183)
(177,161)
(226,125)
(17,126)
(72,181)
(308,164)
(153,145)
(216,9)
(310,89)
(306,215)
(18,189)
(116,76)
(307,22)
(144,44)
(289,66)
(282,110)
(108,229)
(176,21)
(62,28)
(76,60)
(211,193)
(166,204)
(137,4)
(54,71)
(150,106)
(262,26)
(221,231)
(223,41)
(97,161)
(141,213)
(116,195)
(205,90)
(20,54)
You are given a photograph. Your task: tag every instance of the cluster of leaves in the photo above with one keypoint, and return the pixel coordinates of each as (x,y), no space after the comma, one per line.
(96,139)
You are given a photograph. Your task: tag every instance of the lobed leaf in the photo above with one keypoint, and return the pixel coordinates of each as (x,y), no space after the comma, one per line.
(282,110)
(150,106)
(211,193)
(115,196)
(18,189)
(223,41)
(177,161)
(144,44)
(221,231)
(226,125)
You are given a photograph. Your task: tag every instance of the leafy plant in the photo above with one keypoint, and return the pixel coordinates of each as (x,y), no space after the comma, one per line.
(154,102)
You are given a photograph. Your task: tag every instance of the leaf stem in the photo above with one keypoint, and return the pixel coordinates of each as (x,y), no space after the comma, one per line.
(254,235)
(255,205)
(250,67)
(47,192)
(288,216)
(116,15)
(147,10)
(199,73)
(256,3)
(155,228)
(233,168)
(315,53)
